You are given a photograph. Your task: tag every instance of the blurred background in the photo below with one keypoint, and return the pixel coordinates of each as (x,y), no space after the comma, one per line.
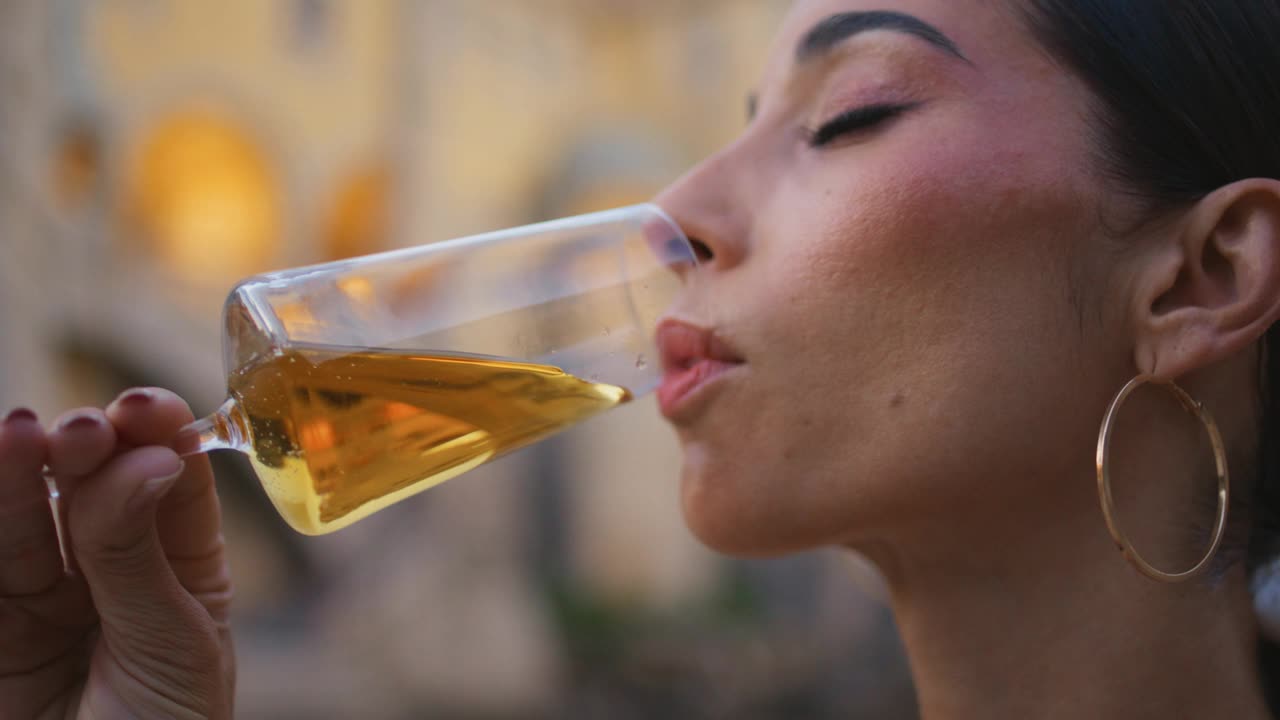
(152,152)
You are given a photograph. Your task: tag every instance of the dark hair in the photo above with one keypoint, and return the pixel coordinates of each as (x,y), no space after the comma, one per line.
(1188,100)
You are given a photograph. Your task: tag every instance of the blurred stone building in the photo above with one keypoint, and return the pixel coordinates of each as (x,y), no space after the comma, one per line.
(155,151)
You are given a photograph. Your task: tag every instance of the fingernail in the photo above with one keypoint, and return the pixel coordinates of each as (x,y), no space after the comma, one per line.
(136,398)
(186,442)
(20,415)
(155,488)
(79,421)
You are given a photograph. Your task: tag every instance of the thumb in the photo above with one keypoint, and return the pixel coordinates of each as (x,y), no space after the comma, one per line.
(152,625)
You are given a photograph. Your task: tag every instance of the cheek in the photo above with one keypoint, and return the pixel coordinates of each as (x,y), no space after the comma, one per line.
(889,300)
(928,232)
(914,299)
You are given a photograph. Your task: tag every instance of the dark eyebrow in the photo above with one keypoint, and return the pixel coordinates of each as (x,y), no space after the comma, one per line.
(836,28)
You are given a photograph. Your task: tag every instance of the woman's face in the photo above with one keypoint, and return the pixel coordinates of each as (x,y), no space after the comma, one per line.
(915,291)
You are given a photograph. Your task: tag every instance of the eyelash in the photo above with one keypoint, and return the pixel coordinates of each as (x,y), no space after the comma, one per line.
(855,120)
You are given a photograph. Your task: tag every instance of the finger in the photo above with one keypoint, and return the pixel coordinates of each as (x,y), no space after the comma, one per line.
(30,561)
(150,624)
(80,441)
(142,604)
(189,517)
(189,520)
(148,416)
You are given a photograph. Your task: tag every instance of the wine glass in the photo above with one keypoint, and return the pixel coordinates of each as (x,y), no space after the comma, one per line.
(357,383)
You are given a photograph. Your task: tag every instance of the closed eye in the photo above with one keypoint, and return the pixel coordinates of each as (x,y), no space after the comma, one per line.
(856,120)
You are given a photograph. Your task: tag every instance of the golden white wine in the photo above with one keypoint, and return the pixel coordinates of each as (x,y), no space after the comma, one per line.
(339,433)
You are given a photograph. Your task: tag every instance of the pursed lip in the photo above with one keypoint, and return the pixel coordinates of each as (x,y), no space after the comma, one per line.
(692,357)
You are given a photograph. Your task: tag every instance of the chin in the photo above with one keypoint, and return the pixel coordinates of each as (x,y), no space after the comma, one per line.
(734,512)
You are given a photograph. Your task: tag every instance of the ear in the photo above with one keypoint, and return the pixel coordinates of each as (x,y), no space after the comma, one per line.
(1211,287)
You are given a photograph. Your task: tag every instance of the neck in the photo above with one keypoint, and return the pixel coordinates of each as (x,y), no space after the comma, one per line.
(1007,627)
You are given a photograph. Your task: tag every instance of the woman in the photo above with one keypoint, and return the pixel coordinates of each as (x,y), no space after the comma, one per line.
(951,234)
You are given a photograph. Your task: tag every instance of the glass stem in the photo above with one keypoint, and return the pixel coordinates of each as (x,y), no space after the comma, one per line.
(224,429)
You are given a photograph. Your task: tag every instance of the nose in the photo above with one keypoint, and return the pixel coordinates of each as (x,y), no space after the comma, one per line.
(705,204)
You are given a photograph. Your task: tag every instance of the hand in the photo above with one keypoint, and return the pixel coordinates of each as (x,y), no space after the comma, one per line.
(138,628)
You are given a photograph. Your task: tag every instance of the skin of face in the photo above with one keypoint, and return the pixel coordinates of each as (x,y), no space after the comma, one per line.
(922,304)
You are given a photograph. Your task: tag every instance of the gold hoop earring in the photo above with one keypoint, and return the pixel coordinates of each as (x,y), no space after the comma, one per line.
(1104,481)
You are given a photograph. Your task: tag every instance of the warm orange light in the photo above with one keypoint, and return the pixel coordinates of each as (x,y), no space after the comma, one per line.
(297,318)
(204,198)
(357,223)
(394,411)
(359,289)
(316,436)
